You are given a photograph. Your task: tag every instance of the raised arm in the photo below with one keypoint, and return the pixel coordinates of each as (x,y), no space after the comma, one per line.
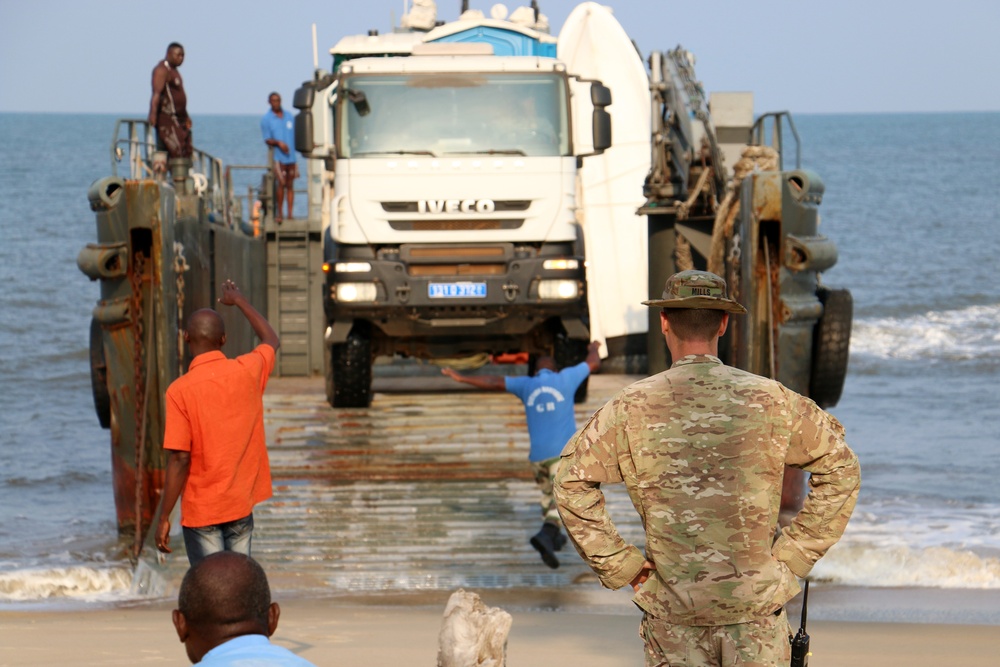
(231,296)
(488,382)
(593,357)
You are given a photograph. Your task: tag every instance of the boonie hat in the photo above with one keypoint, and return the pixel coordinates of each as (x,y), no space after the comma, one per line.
(696,289)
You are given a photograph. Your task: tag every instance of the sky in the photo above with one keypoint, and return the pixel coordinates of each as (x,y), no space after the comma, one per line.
(823,56)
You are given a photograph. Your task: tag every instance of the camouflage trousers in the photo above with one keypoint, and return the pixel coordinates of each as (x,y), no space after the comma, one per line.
(762,642)
(545,471)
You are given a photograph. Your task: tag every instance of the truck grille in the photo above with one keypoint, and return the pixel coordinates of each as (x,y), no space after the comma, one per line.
(457,269)
(451,260)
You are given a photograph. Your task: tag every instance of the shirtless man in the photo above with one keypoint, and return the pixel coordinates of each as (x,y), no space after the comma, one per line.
(168,105)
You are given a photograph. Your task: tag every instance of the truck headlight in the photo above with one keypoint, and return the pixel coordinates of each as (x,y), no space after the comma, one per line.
(562,264)
(352,267)
(558,289)
(355,292)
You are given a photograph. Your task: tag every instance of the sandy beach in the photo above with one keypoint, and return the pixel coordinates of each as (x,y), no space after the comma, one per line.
(393,630)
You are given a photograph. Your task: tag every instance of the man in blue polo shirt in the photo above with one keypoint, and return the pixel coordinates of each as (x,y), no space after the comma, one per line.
(548,407)
(278,129)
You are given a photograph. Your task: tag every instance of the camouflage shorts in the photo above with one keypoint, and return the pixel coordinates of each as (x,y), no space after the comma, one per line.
(762,642)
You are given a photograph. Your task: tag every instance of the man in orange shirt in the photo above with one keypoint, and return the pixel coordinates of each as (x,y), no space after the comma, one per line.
(215,435)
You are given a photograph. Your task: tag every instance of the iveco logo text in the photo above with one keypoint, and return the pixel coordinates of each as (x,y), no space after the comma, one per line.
(456,206)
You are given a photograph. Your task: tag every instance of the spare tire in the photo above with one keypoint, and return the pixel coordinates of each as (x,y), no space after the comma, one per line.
(831,346)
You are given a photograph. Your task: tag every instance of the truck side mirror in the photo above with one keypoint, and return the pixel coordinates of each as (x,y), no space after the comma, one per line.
(304,142)
(303,101)
(304,97)
(602,130)
(600,97)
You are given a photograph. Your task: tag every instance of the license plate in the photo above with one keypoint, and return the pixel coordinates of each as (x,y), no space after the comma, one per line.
(456,290)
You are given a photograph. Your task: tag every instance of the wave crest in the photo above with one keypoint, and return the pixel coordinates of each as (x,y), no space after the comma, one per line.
(931,567)
(79,583)
(951,335)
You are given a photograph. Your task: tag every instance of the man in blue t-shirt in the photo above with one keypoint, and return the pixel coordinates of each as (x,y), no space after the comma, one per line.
(548,407)
(278,129)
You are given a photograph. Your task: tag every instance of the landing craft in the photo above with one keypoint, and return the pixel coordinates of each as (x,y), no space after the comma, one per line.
(534,241)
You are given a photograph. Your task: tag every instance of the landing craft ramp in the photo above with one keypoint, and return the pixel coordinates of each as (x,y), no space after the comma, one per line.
(427,490)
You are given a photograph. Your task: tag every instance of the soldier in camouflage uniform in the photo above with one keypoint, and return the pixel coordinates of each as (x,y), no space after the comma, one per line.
(701,449)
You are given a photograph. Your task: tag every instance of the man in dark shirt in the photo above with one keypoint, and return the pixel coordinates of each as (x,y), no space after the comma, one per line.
(168,105)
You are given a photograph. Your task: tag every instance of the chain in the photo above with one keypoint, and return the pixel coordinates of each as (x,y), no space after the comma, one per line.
(138,269)
(180,266)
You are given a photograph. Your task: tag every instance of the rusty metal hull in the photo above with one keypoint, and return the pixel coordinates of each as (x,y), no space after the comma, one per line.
(158,257)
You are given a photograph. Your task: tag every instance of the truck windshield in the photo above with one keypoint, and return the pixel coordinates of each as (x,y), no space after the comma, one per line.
(453,113)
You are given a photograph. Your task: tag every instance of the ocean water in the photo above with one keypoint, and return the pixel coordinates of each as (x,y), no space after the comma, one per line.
(910,201)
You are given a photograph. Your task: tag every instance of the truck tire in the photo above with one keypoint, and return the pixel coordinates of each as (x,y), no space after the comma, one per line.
(99,375)
(328,372)
(831,346)
(569,352)
(350,372)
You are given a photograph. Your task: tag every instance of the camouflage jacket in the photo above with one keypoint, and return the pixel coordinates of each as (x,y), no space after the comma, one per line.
(701,449)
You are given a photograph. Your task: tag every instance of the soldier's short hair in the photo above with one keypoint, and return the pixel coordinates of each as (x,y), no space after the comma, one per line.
(694,324)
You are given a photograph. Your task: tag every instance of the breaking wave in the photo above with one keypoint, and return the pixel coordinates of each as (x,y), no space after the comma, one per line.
(66,583)
(932,567)
(892,543)
(951,335)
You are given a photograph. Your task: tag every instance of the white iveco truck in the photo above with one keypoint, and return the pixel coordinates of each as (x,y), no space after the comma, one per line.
(446,162)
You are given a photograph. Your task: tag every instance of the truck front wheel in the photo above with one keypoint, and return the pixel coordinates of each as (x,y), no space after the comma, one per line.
(349,373)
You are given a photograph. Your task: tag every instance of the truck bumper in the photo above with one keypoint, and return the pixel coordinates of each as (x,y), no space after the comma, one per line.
(425,309)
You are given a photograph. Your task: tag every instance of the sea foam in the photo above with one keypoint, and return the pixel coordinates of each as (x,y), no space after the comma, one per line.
(935,567)
(936,336)
(75,583)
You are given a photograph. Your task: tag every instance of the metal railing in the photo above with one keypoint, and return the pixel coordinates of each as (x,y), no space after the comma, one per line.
(774,121)
(134,145)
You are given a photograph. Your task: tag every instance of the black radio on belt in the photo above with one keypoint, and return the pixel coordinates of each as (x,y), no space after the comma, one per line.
(800,642)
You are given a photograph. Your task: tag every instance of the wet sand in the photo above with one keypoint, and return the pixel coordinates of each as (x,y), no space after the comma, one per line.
(389,631)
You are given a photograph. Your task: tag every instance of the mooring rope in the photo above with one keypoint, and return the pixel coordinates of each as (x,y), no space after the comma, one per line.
(754,159)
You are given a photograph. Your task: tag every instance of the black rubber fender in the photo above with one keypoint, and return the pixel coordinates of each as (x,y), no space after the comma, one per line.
(831,346)
(99,375)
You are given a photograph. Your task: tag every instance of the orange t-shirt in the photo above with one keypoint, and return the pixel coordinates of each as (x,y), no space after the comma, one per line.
(216,412)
